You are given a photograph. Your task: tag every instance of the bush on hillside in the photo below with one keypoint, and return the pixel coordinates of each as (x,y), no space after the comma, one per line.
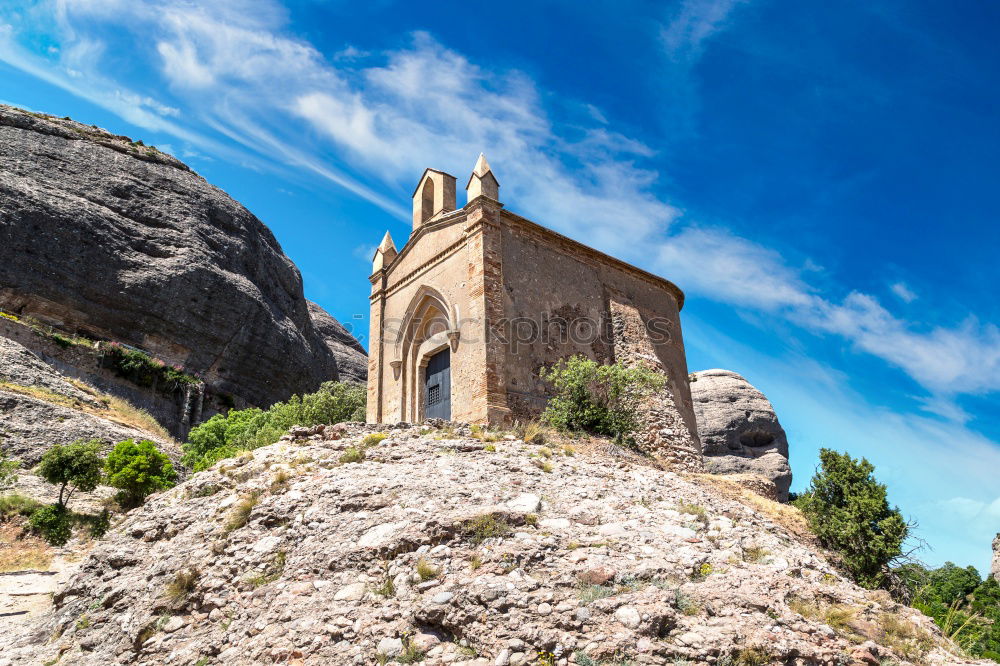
(599,399)
(54,522)
(138,469)
(223,435)
(848,510)
(72,467)
(964,606)
(140,368)
(8,471)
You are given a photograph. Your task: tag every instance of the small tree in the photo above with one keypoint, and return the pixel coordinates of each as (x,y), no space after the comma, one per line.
(8,471)
(138,469)
(848,510)
(72,467)
(600,399)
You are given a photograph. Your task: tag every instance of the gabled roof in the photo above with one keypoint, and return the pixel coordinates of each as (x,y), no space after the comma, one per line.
(421,179)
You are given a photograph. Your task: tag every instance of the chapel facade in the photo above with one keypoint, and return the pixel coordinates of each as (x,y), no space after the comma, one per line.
(479,299)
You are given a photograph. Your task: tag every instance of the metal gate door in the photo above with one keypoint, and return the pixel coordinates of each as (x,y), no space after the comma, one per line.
(437,391)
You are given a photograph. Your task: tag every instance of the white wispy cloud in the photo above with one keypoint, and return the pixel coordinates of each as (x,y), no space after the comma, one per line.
(903,291)
(692,24)
(371,124)
(961,359)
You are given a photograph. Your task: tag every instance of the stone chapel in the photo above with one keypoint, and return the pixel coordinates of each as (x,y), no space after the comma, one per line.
(479,299)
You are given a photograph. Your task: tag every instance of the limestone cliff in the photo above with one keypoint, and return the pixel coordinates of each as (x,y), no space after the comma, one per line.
(995,563)
(739,431)
(40,408)
(432,546)
(352,360)
(106,237)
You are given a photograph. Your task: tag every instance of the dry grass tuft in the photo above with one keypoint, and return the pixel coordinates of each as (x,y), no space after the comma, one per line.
(533,432)
(785,515)
(903,637)
(112,408)
(240,514)
(182,585)
(426,571)
(19,551)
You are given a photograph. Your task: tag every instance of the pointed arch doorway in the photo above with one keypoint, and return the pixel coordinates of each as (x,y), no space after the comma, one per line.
(437,386)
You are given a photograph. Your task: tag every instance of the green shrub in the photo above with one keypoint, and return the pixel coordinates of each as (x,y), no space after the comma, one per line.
(138,469)
(140,368)
(849,512)
(8,471)
(486,526)
(373,439)
(964,606)
(245,429)
(599,399)
(352,455)
(16,504)
(72,467)
(97,524)
(54,522)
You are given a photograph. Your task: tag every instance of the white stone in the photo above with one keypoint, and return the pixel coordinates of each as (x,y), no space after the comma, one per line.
(352,592)
(612,529)
(628,616)
(379,534)
(390,646)
(267,544)
(554,523)
(525,502)
(173,624)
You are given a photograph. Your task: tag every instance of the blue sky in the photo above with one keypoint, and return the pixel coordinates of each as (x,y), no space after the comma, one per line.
(818,177)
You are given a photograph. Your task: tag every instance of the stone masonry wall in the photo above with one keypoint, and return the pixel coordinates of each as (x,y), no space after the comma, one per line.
(665,435)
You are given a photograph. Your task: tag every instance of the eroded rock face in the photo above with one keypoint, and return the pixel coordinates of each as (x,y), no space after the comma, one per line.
(122,242)
(352,360)
(470,554)
(995,564)
(739,431)
(40,408)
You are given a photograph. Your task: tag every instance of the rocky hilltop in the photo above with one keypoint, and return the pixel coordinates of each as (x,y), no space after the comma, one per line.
(105,237)
(739,431)
(338,545)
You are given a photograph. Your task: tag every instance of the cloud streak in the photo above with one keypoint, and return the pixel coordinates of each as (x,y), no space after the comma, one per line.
(371,122)
(948,361)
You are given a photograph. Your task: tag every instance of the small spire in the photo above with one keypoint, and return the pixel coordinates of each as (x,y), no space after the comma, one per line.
(385,253)
(482,166)
(482,182)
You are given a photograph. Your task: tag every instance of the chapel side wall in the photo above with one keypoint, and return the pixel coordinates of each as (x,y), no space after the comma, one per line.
(450,276)
(557,282)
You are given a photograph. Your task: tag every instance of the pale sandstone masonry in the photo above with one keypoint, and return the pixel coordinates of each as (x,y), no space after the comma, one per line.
(502,297)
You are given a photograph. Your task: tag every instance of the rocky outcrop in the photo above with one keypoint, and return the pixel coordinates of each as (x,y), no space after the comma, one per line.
(40,408)
(106,237)
(434,547)
(351,357)
(995,564)
(739,431)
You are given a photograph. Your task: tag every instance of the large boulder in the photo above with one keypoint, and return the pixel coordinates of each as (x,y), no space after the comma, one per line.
(115,240)
(739,431)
